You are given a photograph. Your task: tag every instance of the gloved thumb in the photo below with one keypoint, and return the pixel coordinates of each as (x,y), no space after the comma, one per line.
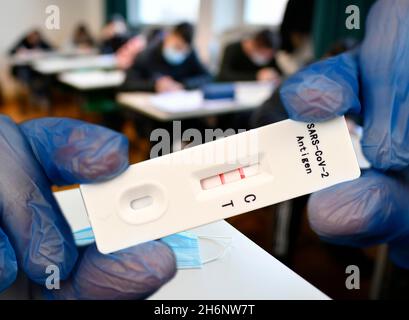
(133,273)
(73,151)
(370,210)
(323,90)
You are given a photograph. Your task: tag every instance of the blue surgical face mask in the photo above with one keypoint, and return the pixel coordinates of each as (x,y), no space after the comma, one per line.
(173,56)
(259,60)
(185,246)
(84,237)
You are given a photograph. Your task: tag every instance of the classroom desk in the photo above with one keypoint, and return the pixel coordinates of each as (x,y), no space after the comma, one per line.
(190,104)
(28,58)
(92,79)
(61,64)
(245,271)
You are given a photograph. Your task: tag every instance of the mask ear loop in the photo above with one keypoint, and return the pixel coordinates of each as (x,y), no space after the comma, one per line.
(225,246)
(84,234)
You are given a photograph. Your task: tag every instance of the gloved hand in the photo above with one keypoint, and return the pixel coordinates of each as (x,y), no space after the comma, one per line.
(33,232)
(374,80)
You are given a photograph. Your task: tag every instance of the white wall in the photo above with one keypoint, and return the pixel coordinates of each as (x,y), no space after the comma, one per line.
(19,16)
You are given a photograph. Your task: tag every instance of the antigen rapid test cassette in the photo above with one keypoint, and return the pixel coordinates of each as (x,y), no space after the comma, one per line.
(217,180)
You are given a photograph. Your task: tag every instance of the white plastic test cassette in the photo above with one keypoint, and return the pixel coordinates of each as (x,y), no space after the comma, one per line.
(217,180)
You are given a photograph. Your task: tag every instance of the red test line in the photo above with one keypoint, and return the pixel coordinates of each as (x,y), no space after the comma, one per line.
(242,175)
(221,176)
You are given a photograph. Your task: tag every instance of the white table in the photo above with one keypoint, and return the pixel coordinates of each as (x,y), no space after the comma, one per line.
(61,64)
(190,104)
(93,79)
(28,58)
(245,272)
(32,56)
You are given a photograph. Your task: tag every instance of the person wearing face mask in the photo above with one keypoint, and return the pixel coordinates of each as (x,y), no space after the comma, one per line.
(168,64)
(252,59)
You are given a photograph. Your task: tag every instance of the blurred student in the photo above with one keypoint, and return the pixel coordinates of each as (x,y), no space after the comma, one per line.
(168,64)
(82,38)
(272,110)
(295,33)
(114,35)
(251,59)
(32,44)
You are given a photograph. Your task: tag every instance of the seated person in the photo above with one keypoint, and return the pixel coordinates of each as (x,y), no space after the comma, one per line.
(168,64)
(272,110)
(33,41)
(82,38)
(32,44)
(114,35)
(252,59)
(296,36)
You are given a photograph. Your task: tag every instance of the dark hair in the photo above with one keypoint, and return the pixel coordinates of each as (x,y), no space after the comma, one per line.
(185,30)
(81,27)
(154,34)
(298,18)
(267,39)
(34,31)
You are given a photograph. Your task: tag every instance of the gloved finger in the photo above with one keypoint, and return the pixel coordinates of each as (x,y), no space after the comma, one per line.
(370,210)
(72,151)
(324,90)
(385,85)
(8,263)
(133,273)
(29,214)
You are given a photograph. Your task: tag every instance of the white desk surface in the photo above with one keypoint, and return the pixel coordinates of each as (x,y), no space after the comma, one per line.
(190,104)
(245,272)
(93,79)
(32,56)
(27,58)
(62,64)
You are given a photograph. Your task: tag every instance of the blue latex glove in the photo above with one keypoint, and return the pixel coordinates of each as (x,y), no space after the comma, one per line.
(33,233)
(374,80)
